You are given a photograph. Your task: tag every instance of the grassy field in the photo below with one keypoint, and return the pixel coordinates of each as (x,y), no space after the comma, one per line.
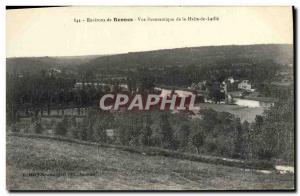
(45,164)
(244,113)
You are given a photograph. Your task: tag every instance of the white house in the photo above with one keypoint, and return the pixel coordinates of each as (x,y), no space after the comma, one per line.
(110,133)
(246,85)
(230,80)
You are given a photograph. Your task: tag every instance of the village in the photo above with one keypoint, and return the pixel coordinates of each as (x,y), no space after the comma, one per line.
(230,92)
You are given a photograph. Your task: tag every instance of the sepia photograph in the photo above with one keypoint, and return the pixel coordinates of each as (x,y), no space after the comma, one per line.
(150,98)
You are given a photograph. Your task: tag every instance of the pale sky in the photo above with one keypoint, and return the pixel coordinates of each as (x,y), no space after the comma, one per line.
(53,32)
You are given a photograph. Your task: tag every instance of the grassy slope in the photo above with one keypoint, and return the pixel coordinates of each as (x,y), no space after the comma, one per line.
(114,169)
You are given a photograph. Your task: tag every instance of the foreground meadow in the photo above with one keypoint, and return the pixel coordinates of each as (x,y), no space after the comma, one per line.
(45,164)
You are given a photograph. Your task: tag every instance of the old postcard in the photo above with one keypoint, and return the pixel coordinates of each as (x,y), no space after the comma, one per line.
(150,98)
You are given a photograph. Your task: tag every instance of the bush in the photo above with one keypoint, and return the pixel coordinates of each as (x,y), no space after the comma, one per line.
(37,127)
(74,132)
(14,128)
(60,129)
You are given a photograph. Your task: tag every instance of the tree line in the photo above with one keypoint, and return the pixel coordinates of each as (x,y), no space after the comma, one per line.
(270,137)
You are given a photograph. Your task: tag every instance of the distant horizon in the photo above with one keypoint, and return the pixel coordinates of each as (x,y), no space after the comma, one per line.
(111,54)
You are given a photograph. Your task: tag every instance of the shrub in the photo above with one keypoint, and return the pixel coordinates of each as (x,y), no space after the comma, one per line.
(14,128)
(74,132)
(37,127)
(61,128)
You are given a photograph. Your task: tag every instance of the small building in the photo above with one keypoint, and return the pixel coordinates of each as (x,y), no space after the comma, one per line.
(246,85)
(198,86)
(230,80)
(110,133)
(232,84)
